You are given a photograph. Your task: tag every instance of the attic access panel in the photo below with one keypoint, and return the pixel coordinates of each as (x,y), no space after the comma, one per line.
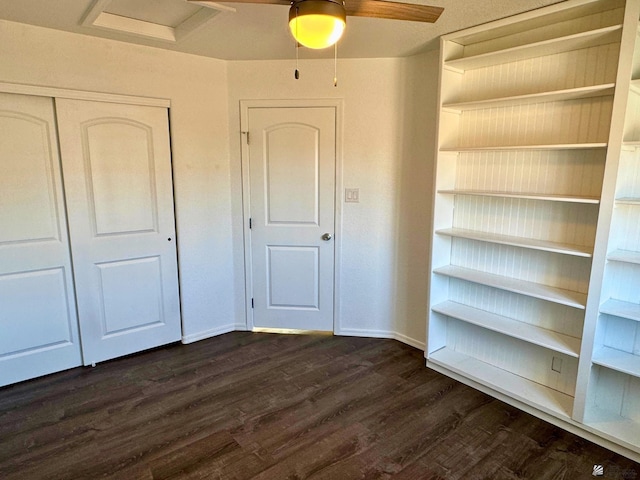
(163,20)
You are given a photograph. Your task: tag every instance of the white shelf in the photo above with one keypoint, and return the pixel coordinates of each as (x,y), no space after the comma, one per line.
(618,308)
(568,43)
(553,96)
(523,242)
(497,148)
(614,426)
(628,201)
(527,196)
(617,360)
(528,392)
(522,287)
(625,256)
(635,86)
(555,341)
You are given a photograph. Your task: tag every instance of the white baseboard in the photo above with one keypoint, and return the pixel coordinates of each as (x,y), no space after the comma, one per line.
(231,327)
(347,332)
(357,332)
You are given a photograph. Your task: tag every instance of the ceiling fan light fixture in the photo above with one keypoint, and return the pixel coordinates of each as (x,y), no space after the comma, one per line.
(317,23)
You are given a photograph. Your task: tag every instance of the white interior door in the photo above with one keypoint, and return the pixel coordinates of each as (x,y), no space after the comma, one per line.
(117,174)
(38,324)
(292,168)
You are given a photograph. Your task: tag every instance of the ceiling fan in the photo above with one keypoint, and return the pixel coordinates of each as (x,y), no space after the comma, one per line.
(320,23)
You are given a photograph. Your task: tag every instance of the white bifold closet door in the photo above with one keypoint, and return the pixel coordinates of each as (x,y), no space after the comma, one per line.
(38,324)
(116,163)
(105,260)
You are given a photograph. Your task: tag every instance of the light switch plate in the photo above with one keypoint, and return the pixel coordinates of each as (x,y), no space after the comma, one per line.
(352,195)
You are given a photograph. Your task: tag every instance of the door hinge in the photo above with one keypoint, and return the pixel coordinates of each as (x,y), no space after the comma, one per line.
(252,303)
(247,134)
(250,224)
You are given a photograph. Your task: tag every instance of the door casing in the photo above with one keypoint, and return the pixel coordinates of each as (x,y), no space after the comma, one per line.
(245,105)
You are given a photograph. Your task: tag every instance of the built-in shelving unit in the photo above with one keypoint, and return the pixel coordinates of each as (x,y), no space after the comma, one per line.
(613,385)
(526,216)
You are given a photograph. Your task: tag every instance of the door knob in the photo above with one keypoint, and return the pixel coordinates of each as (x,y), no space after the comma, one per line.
(326,237)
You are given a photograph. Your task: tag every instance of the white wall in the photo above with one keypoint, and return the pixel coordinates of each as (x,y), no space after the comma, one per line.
(197,88)
(389,110)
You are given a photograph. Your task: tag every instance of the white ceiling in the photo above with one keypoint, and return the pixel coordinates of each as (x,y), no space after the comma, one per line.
(260,32)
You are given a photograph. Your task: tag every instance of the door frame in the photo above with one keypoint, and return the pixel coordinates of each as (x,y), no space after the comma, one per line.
(245,105)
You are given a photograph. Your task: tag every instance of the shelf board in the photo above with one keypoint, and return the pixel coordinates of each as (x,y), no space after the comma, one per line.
(625,256)
(628,201)
(522,287)
(635,86)
(614,426)
(617,360)
(601,36)
(553,96)
(522,242)
(498,148)
(527,196)
(524,390)
(618,308)
(555,341)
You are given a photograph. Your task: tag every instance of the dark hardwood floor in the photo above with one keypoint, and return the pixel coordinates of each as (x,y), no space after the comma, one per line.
(248,405)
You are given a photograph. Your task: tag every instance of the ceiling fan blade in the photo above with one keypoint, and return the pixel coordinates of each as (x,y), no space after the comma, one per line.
(393,10)
(358,8)
(214,4)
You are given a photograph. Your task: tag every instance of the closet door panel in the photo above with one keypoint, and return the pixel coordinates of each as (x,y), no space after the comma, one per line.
(117,168)
(37,310)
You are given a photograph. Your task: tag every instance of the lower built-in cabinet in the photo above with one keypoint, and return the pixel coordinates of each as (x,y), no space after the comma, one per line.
(535,268)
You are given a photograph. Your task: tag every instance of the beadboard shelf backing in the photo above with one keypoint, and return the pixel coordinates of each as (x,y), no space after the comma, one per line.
(535,262)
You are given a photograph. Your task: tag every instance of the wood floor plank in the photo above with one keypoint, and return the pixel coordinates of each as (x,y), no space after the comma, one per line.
(247,405)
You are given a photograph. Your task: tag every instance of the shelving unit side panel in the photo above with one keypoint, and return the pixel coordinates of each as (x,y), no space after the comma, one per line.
(574,69)
(572,224)
(516,356)
(566,172)
(554,317)
(555,270)
(603,229)
(575,121)
(549,31)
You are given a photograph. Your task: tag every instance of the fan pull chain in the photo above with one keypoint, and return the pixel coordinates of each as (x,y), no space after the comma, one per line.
(335,65)
(297,72)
